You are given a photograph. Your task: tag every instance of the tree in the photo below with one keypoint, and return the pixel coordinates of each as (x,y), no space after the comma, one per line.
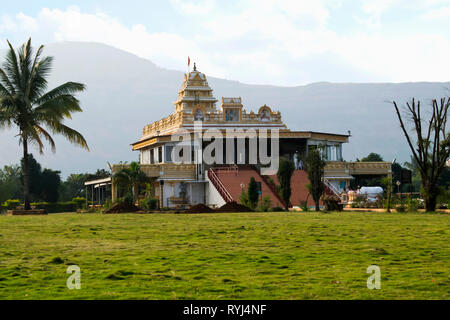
(10,186)
(315,166)
(388,184)
(50,182)
(131,177)
(431,147)
(252,192)
(44,184)
(372,157)
(25,104)
(34,177)
(74,185)
(285,171)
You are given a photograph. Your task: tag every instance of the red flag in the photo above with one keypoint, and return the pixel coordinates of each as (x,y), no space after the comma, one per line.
(189,61)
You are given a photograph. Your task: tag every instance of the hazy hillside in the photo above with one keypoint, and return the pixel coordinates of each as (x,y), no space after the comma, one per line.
(126,92)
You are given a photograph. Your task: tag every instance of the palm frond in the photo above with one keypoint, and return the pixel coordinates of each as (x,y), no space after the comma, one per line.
(33,70)
(5,119)
(25,62)
(33,138)
(47,136)
(39,81)
(58,108)
(6,82)
(64,89)
(11,67)
(70,134)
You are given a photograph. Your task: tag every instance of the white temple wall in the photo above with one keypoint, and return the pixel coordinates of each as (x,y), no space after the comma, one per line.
(213,196)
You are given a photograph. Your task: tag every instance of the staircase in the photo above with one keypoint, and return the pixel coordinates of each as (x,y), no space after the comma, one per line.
(228,180)
(332,188)
(212,175)
(299,192)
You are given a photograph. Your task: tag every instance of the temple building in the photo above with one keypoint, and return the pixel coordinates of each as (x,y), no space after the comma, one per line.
(198,122)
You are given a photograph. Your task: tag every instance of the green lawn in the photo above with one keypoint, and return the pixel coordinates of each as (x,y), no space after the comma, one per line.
(226,256)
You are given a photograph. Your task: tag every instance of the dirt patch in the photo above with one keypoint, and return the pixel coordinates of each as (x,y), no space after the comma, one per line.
(233,207)
(199,208)
(122,208)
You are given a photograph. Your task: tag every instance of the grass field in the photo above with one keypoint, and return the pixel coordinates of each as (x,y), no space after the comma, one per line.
(226,256)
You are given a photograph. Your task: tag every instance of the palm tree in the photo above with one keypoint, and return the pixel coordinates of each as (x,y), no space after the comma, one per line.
(25,104)
(131,177)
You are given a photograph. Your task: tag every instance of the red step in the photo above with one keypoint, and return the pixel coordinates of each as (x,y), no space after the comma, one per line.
(299,193)
(232,180)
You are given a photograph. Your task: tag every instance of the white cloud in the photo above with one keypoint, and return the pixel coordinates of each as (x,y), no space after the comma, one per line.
(437,14)
(193,7)
(267,42)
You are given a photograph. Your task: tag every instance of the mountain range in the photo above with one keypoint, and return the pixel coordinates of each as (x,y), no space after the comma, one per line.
(126,92)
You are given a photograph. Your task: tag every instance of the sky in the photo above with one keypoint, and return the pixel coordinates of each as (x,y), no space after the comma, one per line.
(284,43)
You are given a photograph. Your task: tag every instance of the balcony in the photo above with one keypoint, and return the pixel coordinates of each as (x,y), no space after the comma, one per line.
(337,168)
(165,170)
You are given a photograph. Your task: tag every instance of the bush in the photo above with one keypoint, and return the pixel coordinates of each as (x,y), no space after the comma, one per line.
(107,205)
(413,204)
(278,209)
(149,204)
(266,204)
(57,207)
(11,204)
(304,205)
(332,203)
(80,202)
(128,198)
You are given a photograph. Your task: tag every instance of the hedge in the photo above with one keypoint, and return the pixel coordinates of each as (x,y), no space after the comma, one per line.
(56,207)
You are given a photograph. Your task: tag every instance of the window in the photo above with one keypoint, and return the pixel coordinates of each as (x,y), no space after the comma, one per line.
(160,154)
(168,155)
(152,156)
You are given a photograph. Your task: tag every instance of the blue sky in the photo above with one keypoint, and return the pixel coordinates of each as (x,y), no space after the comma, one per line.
(289,42)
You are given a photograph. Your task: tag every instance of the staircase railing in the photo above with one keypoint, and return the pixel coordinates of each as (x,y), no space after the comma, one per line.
(330,186)
(219,185)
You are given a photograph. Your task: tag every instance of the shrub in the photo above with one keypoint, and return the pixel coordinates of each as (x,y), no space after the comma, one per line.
(252,192)
(413,204)
(80,202)
(57,207)
(332,203)
(304,205)
(149,204)
(107,205)
(11,204)
(277,209)
(266,204)
(243,199)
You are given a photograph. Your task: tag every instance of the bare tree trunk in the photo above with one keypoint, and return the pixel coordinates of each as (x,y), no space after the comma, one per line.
(317,205)
(26,176)
(431,194)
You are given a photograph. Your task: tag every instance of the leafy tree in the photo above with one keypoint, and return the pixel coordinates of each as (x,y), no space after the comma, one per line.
(252,192)
(50,182)
(285,171)
(430,146)
(44,184)
(74,185)
(34,177)
(131,177)
(25,104)
(10,184)
(315,166)
(372,157)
